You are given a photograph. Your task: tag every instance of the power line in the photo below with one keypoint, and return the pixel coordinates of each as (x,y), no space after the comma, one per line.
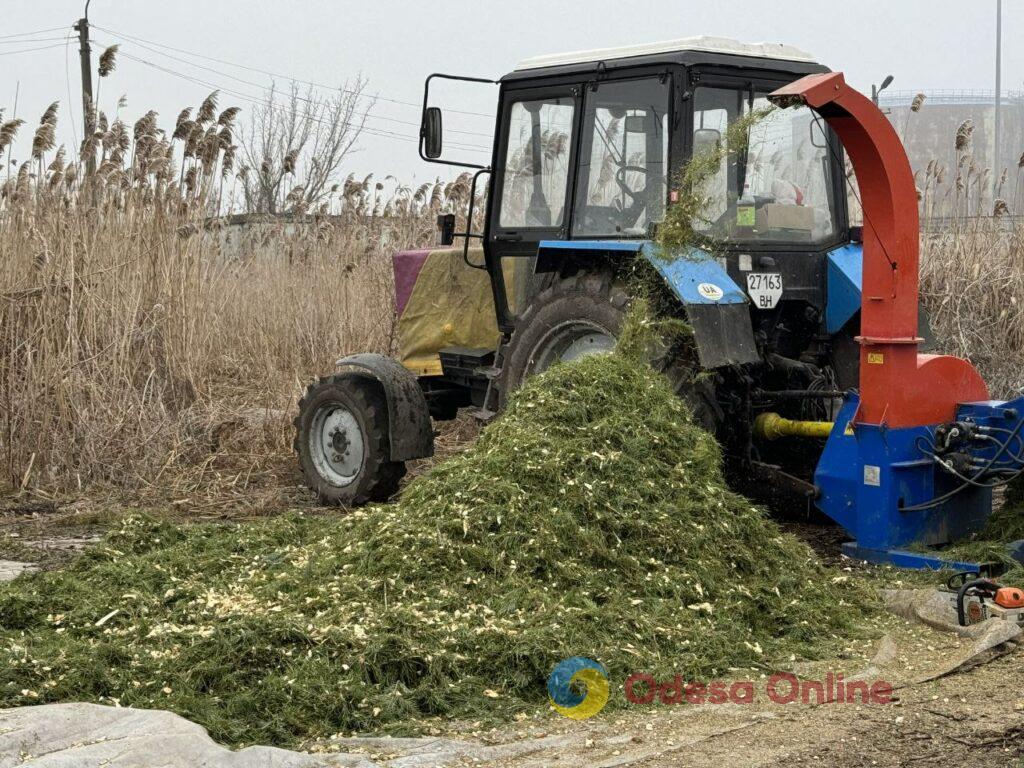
(30,40)
(255,100)
(37,32)
(300,98)
(30,50)
(276,74)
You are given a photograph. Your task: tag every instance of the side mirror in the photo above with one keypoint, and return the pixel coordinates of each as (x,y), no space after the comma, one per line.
(446,229)
(431,132)
(705,140)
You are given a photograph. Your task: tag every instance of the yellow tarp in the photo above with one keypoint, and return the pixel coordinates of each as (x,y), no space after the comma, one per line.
(450,306)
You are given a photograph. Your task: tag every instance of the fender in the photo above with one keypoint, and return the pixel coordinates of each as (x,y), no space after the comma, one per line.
(410,431)
(716,308)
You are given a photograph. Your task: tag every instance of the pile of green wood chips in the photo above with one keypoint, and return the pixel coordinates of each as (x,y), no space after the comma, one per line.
(591,520)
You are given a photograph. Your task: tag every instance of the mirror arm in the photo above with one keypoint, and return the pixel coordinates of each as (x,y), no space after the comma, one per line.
(423,114)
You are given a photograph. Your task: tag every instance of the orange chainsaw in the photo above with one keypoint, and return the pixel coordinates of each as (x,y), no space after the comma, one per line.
(977,599)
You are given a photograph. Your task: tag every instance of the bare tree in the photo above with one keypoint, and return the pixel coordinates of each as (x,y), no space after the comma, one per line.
(296,141)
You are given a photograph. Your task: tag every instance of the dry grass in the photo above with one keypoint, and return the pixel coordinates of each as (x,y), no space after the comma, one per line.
(972,281)
(144,350)
(152,353)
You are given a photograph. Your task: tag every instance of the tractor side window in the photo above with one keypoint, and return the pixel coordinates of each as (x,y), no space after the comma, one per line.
(623,159)
(537,163)
(780,187)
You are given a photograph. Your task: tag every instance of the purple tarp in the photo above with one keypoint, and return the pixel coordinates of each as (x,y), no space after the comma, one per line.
(407,265)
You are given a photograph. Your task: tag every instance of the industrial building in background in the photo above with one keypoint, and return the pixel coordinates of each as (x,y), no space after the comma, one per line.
(929,123)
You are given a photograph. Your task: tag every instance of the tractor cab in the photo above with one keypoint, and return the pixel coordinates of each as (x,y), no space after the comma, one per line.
(589,147)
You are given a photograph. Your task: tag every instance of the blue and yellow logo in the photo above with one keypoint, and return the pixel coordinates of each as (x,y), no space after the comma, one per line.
(584,672)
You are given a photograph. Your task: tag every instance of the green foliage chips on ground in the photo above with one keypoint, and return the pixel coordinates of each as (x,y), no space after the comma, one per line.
(590,519)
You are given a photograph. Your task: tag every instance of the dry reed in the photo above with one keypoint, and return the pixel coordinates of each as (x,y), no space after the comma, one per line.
(972,284)
(972,272)
(151,349)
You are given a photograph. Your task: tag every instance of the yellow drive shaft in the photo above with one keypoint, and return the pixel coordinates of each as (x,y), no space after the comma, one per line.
(771,426)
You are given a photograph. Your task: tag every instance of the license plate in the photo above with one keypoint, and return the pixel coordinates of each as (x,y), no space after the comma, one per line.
(764,289)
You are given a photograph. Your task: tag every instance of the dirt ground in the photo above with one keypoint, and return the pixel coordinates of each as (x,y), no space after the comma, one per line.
(975,715)
(978,715)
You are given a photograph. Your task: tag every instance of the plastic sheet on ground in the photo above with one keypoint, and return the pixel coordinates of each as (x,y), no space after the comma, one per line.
(987,639)
(88,735)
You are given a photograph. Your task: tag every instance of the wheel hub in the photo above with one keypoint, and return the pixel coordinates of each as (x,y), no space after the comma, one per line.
(339,441)
(570,341)
(336,444)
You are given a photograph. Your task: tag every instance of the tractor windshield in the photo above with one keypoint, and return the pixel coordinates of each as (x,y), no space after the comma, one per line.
(780,189)
(623,158)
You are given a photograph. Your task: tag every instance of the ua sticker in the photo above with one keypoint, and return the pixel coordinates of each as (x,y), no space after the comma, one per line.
(710,291)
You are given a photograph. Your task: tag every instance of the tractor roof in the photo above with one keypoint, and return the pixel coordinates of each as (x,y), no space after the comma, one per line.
(686,50)
(703,43)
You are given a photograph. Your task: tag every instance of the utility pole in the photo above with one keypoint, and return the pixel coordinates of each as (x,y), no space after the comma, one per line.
(997,163)
(85,54)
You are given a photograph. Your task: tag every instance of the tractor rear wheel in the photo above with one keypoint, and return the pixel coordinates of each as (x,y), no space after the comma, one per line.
(341,437)
(582,315)
(572,318)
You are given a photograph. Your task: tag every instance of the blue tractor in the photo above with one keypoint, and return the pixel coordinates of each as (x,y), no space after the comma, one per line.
(587,150)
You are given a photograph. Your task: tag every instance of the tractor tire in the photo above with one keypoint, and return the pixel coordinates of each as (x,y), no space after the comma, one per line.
(695,388)
(341,438)
(582,315)
(571,318)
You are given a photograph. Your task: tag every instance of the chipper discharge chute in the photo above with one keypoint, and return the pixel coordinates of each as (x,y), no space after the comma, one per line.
(808,358)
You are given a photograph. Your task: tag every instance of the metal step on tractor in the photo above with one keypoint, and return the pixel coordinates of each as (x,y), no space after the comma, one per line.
(808,330)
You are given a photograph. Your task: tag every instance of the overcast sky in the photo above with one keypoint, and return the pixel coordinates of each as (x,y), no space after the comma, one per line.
(925,44)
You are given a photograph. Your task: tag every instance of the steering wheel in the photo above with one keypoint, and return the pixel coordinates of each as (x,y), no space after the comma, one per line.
(620,178)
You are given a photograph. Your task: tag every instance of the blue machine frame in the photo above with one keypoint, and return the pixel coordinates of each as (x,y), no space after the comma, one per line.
(890,490)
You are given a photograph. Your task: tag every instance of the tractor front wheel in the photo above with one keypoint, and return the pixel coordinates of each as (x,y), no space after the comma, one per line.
(341,437)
